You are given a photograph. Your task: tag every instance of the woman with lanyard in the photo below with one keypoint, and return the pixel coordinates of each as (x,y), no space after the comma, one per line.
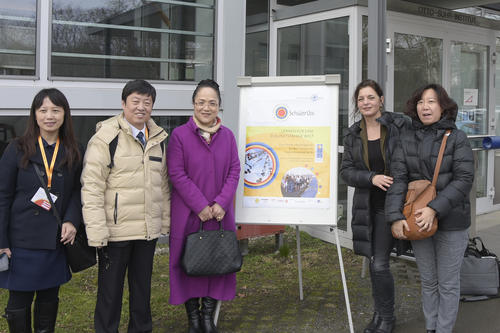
(29,233)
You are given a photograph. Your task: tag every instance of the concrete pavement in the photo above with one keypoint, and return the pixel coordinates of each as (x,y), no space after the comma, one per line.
(473,317)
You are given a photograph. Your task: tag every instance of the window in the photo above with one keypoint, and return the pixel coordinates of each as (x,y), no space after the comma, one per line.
(257,38)
(417,61)
(18,37)
(154,39)
(315,49)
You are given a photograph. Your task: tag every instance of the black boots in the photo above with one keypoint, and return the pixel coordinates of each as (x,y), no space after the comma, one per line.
(19,320)
(194,317)
(45,317)
(372,325)
(208,305)
(385,325)
(201,322)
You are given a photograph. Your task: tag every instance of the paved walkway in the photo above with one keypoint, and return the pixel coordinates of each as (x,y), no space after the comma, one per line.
(473,317)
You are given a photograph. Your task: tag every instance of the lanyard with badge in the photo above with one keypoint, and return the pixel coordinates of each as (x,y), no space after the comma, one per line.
(40,197)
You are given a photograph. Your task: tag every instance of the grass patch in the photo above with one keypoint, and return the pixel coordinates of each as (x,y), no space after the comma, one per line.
(267,295)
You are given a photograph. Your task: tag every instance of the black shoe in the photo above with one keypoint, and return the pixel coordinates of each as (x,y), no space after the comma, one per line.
(385,325)
(194,317)
(208,305)
(19,320)
(431,331)
(372,325)
(45,317)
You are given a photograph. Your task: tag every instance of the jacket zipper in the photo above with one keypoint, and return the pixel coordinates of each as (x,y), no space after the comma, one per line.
(115,213)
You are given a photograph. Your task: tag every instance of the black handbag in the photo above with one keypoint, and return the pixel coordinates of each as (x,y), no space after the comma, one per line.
(479,274)
(79,255)
(214,252)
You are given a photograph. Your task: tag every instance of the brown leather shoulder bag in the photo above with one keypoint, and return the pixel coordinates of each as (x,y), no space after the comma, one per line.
(420,193)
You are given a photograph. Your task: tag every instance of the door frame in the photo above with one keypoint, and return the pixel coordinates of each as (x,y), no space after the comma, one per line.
(448,33)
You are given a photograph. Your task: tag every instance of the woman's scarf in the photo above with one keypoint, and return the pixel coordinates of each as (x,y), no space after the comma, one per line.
(207,132)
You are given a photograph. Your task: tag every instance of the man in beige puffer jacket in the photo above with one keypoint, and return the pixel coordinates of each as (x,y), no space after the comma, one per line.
(126,206)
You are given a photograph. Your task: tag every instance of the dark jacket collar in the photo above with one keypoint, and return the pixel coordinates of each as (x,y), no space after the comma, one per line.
(387,118)
(442,124)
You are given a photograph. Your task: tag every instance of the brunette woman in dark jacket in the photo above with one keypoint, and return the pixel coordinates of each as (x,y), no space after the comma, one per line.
(29,233)
(439,257)
(368,146)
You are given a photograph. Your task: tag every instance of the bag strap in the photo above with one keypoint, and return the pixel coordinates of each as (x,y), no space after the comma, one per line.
(440,157)
(47,193)
(483,251)
(220,225)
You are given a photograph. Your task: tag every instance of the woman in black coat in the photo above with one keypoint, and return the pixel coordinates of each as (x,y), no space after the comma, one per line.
(439,257)
(368,146)
(29,233)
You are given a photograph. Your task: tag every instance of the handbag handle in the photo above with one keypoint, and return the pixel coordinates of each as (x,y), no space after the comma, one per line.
(484,251)
(440,157)
(220,223)
(47,193)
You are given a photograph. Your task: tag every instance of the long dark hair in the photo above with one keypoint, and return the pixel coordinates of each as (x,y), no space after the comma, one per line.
(28,141)
(363,84)
(448,105)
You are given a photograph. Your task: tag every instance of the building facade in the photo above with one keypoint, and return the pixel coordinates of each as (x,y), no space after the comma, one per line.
(89,49)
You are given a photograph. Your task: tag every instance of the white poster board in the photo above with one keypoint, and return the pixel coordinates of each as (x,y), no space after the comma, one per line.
(288,129)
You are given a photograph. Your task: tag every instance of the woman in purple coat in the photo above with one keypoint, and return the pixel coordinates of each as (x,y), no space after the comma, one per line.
(204,169)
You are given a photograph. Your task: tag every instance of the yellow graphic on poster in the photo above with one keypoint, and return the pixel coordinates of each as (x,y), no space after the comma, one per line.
(287,166)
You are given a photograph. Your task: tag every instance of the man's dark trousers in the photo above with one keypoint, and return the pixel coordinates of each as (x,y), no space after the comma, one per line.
(136,256)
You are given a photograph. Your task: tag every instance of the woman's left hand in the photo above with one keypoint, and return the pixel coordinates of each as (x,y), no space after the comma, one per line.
(383,182)
(218,212)
(68,233)
(424,218)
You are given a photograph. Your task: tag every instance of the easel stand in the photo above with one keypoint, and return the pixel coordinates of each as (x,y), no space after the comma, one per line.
(342,273)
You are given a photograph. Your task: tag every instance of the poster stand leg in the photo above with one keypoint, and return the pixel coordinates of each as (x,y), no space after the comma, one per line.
(364,268)
(299,262)
(346,295)
(217,311)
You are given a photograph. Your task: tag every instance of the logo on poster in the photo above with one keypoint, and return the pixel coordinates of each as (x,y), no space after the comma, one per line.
(281,112)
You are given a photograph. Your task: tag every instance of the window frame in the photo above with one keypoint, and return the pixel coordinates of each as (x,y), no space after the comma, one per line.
(35,76)
(214,7)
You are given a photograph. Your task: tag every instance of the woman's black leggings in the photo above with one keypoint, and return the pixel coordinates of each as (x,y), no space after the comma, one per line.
(380,273)
(23,299)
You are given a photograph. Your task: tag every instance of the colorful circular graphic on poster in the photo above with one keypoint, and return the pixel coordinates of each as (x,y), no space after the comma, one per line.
(299,182)
(281,112)
(261,165)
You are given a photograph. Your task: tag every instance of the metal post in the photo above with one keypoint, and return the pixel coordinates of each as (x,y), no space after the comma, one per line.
(377,40)
(364,267)
(344,283)
(299,262)
(217,311)
(473,195)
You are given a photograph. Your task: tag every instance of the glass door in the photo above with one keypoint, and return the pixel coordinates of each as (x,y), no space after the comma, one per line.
(425,51)
(469,88)
(319,44)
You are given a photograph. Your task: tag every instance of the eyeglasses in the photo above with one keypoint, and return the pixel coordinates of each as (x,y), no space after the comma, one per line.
(202,104)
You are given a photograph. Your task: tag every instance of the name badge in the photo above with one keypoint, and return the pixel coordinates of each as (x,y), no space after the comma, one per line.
(40,199)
